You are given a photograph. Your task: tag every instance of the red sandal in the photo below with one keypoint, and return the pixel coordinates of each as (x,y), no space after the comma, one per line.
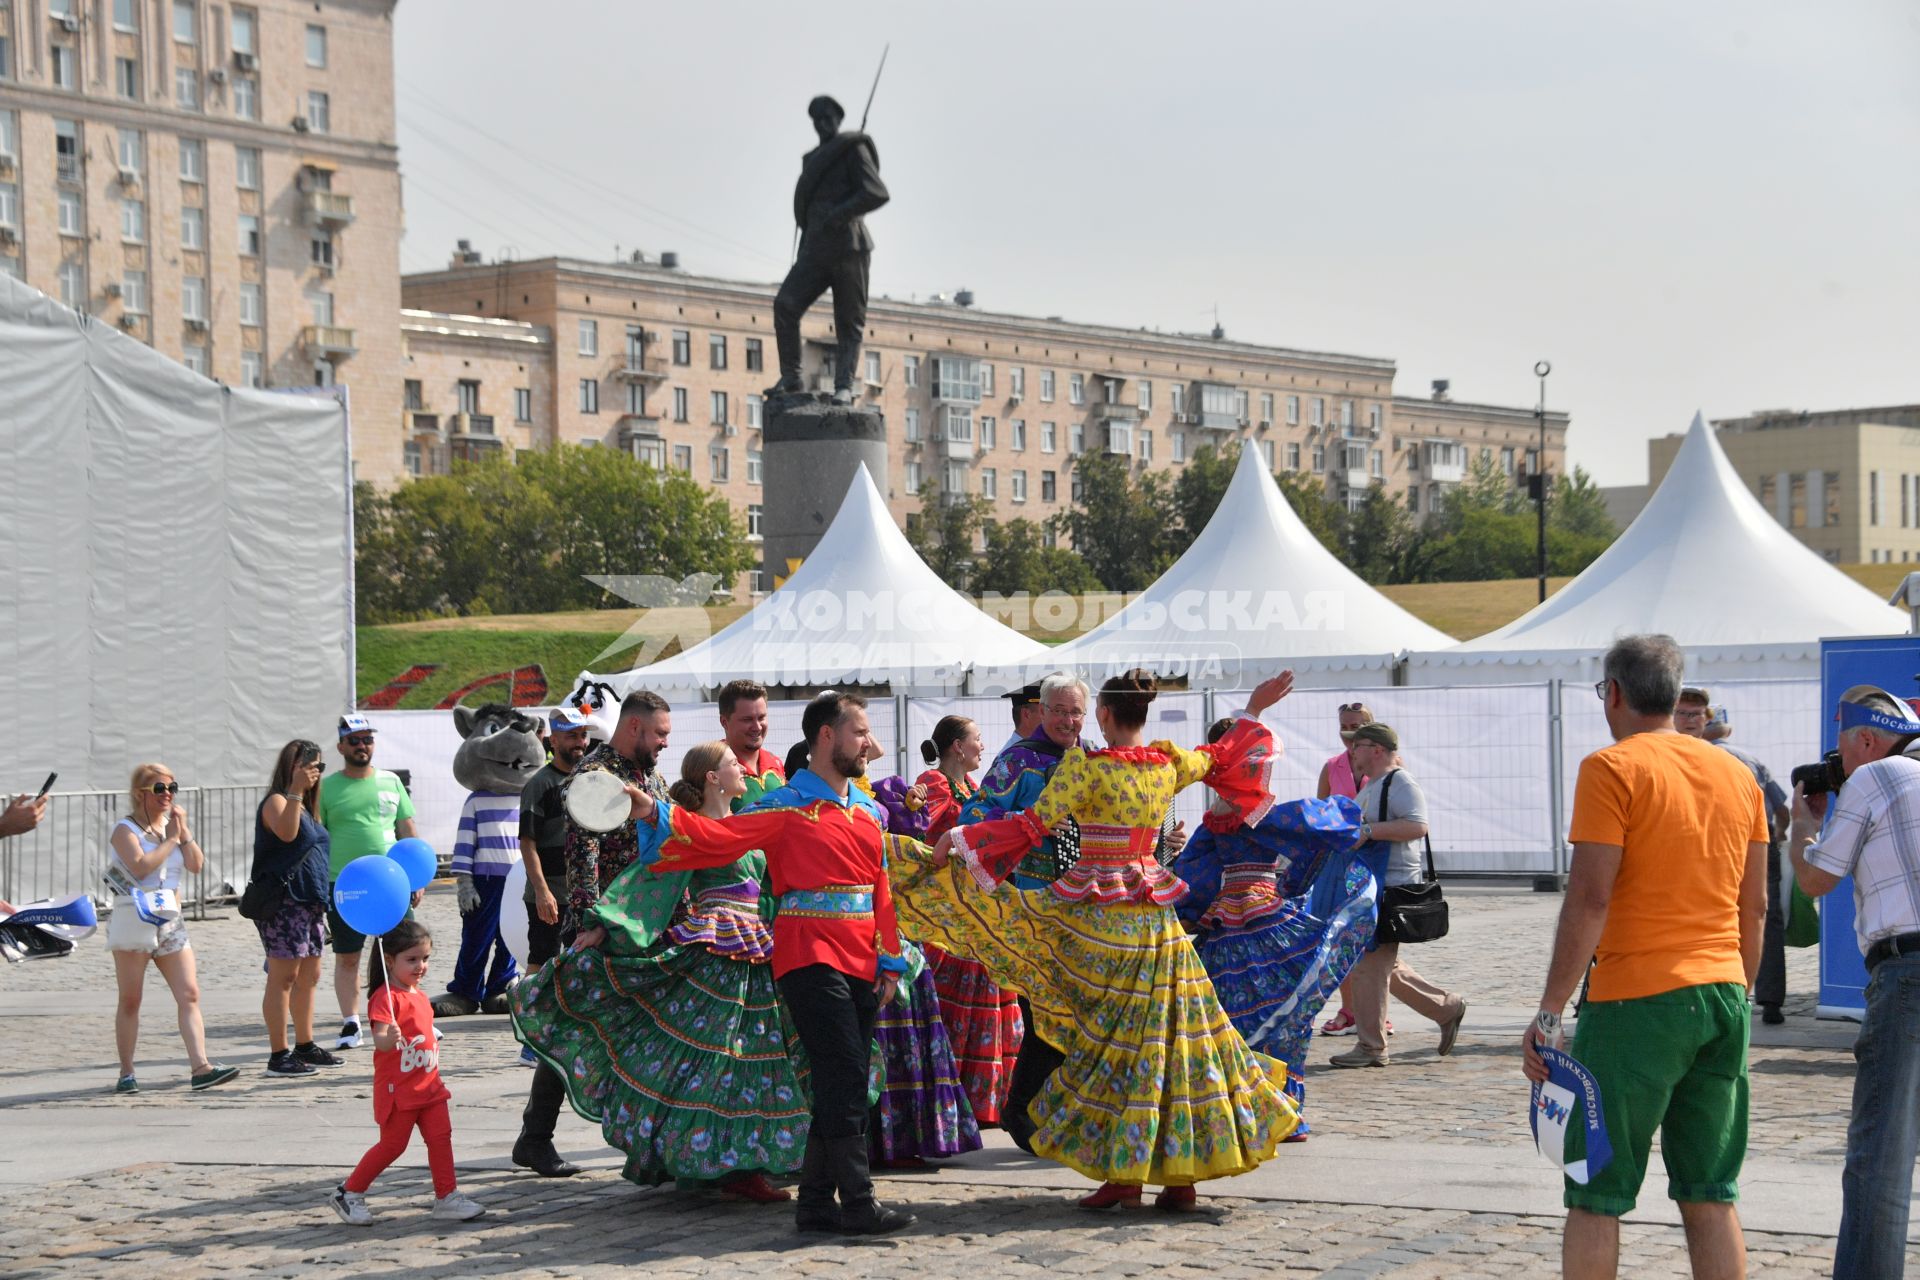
(1113,1195)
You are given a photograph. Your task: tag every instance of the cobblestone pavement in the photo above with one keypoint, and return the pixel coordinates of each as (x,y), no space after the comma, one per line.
(230,1199)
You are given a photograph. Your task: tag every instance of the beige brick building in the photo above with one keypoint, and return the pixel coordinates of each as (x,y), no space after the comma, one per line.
(221,181)
(671,366)
(472,385)
(1845,481)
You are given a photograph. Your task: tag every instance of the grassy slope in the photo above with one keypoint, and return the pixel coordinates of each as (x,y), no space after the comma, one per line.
(566,643)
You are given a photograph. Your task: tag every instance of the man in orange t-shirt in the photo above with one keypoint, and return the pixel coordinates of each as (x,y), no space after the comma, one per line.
(1668,890)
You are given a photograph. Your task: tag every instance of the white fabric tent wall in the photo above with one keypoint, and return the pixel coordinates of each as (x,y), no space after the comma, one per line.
(1255,592)
(863,609)
(1704,563)
(180,560)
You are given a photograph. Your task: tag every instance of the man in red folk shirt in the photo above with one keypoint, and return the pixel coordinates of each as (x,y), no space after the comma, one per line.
(836,947)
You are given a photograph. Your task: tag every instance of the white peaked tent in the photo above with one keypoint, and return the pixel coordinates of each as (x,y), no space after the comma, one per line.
(1255,592)
(1704,563)
(863,609)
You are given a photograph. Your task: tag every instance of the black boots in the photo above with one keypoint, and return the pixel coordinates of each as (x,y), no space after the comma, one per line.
(840,1164)
(534,1147)
(860,1213)
(815,1210)
(539,1155)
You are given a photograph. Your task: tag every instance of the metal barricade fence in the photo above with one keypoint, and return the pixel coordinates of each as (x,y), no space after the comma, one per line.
(67,853)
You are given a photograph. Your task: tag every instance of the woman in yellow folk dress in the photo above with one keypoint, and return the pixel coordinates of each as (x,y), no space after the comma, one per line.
(1157,1086)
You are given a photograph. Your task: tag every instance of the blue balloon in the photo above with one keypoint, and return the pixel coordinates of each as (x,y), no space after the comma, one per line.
(371,894)
(417,858)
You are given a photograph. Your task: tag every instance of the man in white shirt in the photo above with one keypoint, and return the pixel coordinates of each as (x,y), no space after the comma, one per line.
(1874,836)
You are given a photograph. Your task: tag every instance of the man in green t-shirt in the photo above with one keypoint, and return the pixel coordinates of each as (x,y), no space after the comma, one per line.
(364,810)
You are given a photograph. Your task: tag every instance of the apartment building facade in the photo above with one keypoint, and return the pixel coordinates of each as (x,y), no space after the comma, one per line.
(672,366)
(220,181)
(1846,482)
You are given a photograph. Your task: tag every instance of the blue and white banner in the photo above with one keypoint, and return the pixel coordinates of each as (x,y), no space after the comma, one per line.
(1569,1085)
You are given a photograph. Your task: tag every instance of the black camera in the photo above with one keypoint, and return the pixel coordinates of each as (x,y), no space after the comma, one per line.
(1821,777)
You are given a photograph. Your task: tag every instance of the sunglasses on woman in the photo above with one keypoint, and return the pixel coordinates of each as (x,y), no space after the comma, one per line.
(165,788)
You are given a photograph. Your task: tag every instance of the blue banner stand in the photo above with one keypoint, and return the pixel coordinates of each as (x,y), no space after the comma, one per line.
(1893,663)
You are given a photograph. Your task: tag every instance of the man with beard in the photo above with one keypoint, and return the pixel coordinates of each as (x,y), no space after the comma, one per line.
(590,861)
(836,947)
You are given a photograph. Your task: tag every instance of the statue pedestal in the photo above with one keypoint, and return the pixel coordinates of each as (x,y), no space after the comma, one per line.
(810,451)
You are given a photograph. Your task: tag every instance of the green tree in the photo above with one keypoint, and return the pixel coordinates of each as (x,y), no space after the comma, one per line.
(1326,519)
(1196,494)
(1018,560)
(1383,542)
(1578,508)
(946,531)
(1123,527)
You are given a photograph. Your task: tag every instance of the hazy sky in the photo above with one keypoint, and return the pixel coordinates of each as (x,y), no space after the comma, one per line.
(1703,204)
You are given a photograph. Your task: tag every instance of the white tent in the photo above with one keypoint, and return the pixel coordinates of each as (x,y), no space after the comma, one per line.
(863,609)
(1255,592)
(1704,563)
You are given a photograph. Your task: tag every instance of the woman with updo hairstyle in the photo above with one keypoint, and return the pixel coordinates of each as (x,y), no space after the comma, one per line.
(1156,1085)
(670,984)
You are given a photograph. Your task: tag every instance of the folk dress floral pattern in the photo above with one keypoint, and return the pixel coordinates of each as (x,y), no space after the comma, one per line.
(1157,1087)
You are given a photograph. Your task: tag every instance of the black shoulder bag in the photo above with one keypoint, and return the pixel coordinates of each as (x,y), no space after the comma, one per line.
(1411,912)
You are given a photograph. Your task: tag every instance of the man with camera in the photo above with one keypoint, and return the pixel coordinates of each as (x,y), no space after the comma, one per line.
(1667,896)
(1873,835)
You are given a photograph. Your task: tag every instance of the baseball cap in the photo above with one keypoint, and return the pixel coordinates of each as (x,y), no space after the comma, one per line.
(1025,696)
(353,722)
(1378,733)
(565,719)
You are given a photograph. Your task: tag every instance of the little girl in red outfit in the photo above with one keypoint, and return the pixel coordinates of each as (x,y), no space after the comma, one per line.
(407,1093)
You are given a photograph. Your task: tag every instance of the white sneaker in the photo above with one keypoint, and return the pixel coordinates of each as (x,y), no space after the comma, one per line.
(457,1207)
(351,1206)
(349,1035)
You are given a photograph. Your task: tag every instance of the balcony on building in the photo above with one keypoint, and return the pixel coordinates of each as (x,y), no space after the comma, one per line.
(1119,439)
(637,426)
(953,430)
(328,340)
(1354,470)
(473,426)
(1221,407)
(424,426)
(1444,461)
(638,367)
(956,380)
(329,208)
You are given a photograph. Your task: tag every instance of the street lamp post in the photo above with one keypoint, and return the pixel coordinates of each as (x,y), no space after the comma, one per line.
(1538,481)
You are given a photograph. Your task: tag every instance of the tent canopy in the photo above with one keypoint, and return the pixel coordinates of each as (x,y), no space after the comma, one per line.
(1255,592)
(863,609)
(1704,563)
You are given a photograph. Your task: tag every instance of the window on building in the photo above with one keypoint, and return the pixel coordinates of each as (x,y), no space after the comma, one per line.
(636,399)
(1797,501)
(1319,459)
(589,337)
(246,97)
(126,15)
(1373,418)
(717,405)
(956,481)
(72,220)
(1293,455)
(413,396)
(9,135)
(989,432)
(467,395)
(1178,443)
(1077,440)
(1413,500)
(246,168)
(680,409)
(1266,453)
(1146,446)
(1017,382)
(986,379)
(1143,395)
(756,355)
(910,370)
(73,284)
(194,356)
(250,244)
(66,150)
(1873,499)
(682,347)
(589,395)
(320,248)
(1293,411)
(65,64)
(1049,437)
(716,351)
(1075,491)
(756,413)
(131,149)
(872,359)
(9,205)
(316,45)
(1317,412)
(1048,486)
(186,88)
(193,298)
(1018,486)
(913,476)
(246,28)
(1077,389)
(185,24)
(989,483)
(1017,434)
(683,458)
(133,220)
(253,369)
(1377,464)
(319,112)
(133,292)
(955,378)
(718,463)
(912,419)
(1178,398)
(1046,386)
(6,57)
(193,160)
(1506,461)
(126,78)
(753,466)
(754,515)
(253,304)
(959,423)
(193,229)
(1346,413)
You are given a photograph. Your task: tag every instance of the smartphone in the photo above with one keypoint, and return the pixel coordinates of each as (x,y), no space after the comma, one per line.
(47,785)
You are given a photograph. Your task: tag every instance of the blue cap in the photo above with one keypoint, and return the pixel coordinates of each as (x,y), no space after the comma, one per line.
(353,722)
(564,719)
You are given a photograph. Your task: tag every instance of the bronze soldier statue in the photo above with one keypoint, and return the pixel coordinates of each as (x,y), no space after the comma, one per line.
(839,182)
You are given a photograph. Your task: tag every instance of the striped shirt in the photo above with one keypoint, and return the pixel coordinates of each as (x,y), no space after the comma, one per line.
(1873,835)
(489,840)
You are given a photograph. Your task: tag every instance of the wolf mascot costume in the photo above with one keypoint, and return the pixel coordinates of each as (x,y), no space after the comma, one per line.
(499,751)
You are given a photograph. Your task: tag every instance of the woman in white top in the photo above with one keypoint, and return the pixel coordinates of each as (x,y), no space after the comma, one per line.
(152,848)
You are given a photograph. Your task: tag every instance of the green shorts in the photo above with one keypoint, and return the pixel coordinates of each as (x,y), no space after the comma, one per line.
(1676,1062)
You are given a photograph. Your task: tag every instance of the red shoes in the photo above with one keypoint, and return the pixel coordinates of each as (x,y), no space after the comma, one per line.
(1113,1195)
(1177,1199)
(754,1187)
